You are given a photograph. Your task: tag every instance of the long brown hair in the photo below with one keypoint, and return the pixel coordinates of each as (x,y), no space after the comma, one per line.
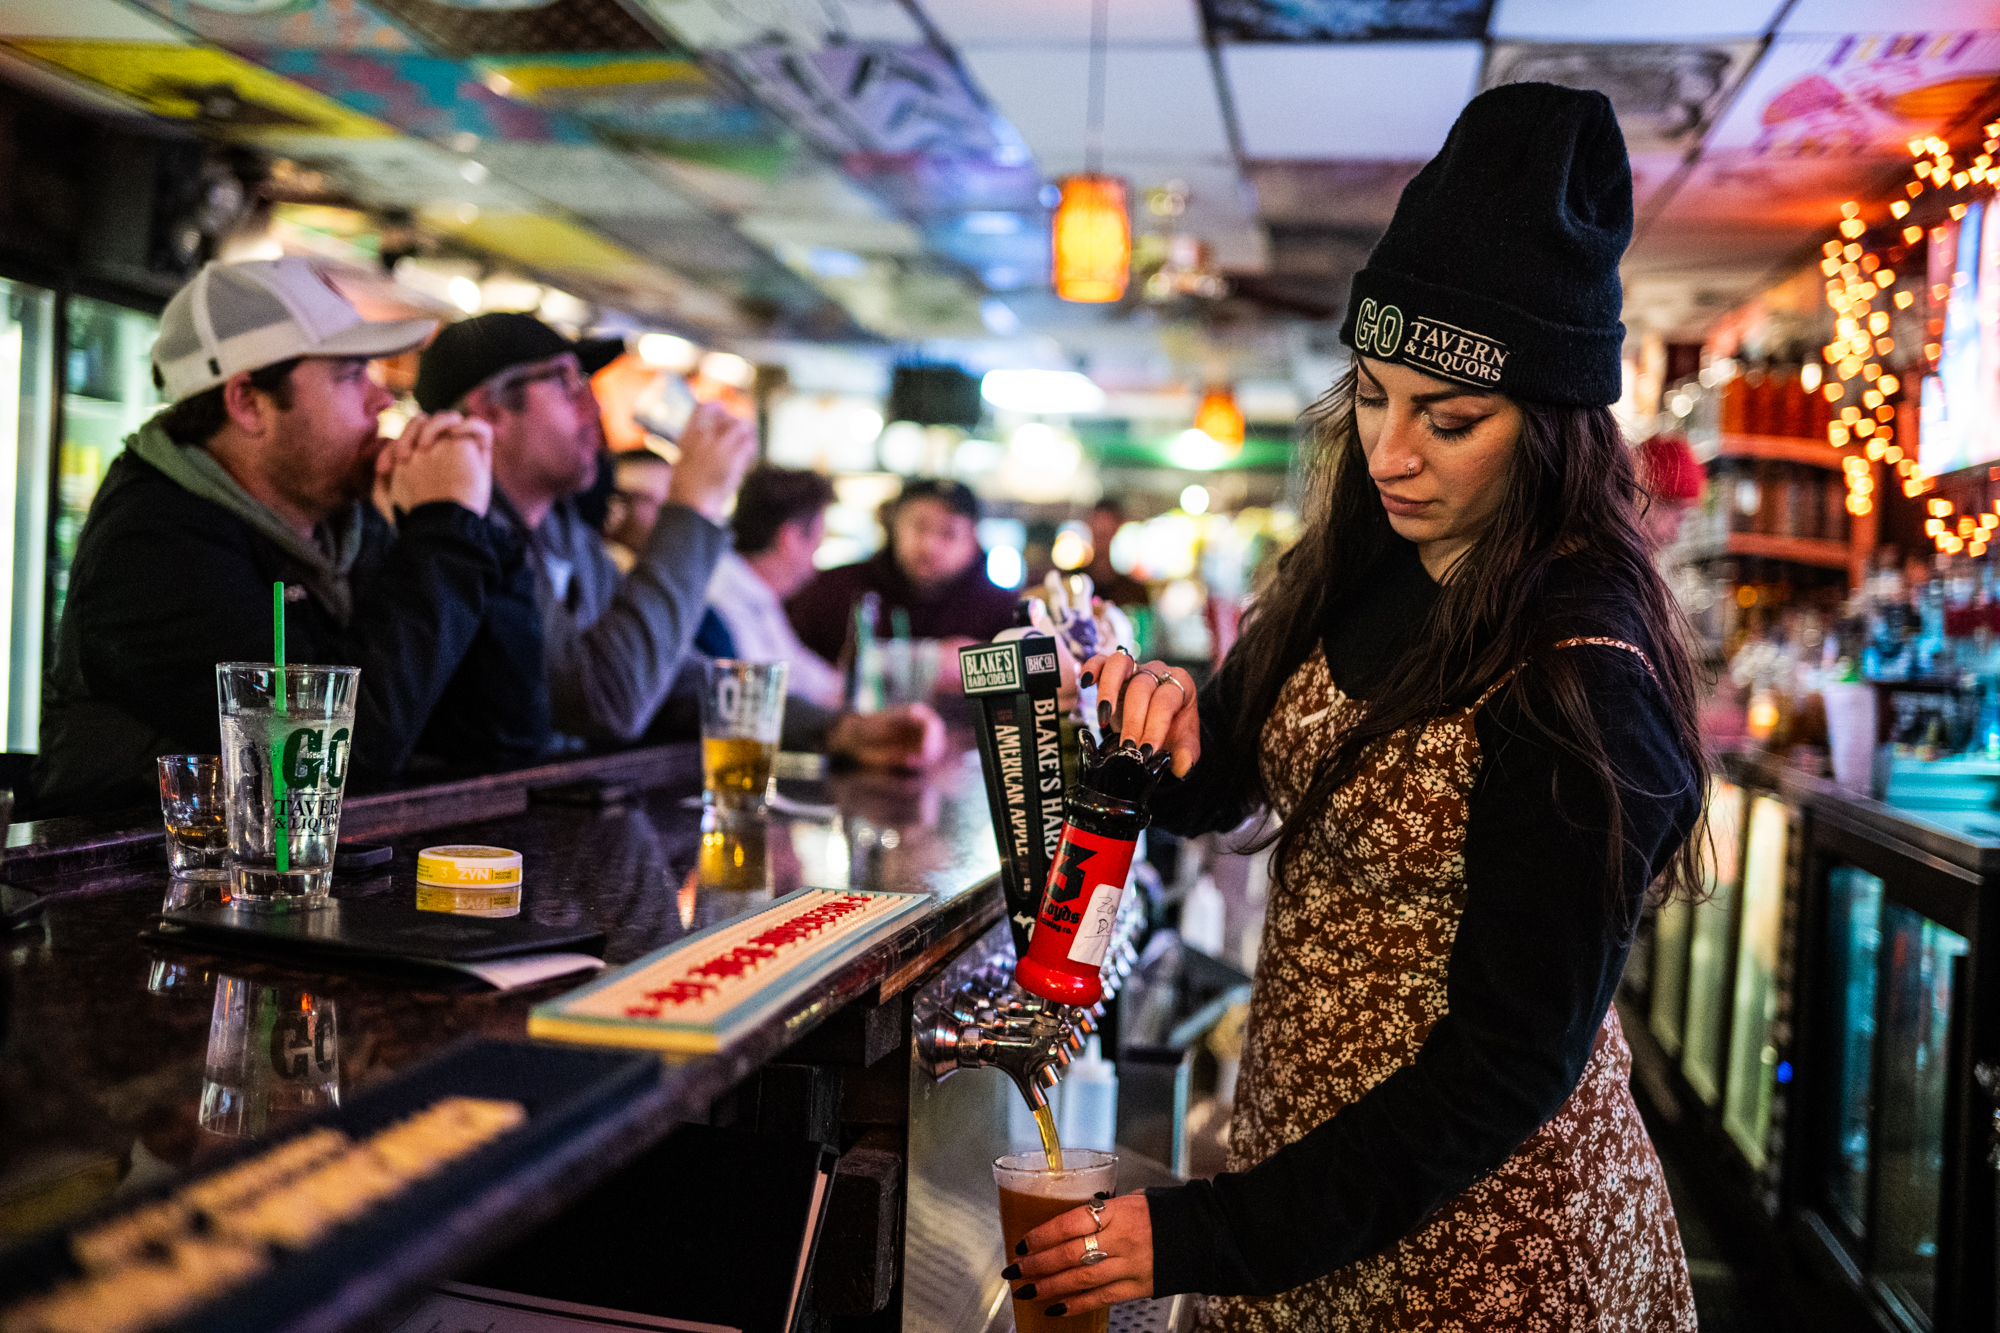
(1571,493)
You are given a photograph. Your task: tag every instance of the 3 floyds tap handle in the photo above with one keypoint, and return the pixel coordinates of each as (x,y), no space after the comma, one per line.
(1104,817)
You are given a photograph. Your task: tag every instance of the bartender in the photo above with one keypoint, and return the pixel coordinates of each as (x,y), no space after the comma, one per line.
(1468,705)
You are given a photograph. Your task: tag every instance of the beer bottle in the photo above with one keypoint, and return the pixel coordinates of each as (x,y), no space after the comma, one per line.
(1102,819)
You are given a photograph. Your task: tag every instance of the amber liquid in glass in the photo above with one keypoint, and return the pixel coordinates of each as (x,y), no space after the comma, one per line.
(736,771)
(1020,1214)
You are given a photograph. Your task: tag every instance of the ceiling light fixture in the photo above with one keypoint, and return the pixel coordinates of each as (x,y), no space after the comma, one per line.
(1054,393)
(1091,236)
(1219,418)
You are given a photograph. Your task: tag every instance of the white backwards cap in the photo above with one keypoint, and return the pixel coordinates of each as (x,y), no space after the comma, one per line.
(237,317)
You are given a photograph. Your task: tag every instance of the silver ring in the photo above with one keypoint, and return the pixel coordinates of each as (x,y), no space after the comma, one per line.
(1121,648)
(1169,679)
(1096,1206)
(1092,1256)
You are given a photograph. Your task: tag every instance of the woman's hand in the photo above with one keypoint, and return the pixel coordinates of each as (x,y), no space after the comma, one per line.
(1053,1274)
(1152,706)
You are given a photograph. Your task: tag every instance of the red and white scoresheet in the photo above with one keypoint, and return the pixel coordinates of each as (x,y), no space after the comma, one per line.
(696,993)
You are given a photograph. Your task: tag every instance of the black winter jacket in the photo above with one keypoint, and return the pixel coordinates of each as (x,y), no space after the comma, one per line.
(166,584)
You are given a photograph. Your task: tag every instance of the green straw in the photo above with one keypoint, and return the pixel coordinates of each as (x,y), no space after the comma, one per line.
(282,831)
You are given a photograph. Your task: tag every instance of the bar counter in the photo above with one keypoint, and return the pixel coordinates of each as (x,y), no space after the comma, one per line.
(107,1035)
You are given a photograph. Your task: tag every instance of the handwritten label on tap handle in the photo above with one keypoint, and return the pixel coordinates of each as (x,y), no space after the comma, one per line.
(1093,935)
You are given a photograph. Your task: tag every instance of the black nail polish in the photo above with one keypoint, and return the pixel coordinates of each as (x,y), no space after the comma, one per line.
(1026,1293)
(1021,1247)
(1146,753)
(1056,1311)
(1086,680)
(1011,1271)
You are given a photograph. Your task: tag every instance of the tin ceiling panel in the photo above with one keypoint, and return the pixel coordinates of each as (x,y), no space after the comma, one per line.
(1665,95)
(877,99)
(1345,20)
(347,25)
(1860,95)
(223,93)
(565,25)
(652,103)
(427,96)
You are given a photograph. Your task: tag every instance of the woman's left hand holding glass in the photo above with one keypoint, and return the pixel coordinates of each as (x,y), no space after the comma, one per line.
(1053,1272)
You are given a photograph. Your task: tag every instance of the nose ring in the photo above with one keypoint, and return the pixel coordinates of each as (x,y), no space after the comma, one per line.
(1410,468)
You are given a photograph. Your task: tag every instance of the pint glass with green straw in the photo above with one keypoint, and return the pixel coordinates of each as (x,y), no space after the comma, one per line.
(286,735)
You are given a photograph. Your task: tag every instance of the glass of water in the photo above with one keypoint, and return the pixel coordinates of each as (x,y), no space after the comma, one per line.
(191,805)
(287,733)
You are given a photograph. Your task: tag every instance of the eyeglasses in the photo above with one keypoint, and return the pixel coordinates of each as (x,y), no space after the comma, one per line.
(512,390)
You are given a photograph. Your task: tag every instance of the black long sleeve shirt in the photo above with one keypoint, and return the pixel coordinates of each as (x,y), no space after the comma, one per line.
(1537,955)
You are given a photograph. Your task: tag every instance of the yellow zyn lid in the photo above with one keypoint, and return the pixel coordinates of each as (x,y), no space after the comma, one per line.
(468,867)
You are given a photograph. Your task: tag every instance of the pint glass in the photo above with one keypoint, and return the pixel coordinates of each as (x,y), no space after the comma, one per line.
(286,736)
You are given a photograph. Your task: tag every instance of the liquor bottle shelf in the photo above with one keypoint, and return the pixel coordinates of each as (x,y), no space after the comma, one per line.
(1800,550)
(1783,448)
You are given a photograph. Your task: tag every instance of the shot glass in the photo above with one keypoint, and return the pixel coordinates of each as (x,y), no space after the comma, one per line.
(1031,1194)
(742,712)
(192,806)
(286,736)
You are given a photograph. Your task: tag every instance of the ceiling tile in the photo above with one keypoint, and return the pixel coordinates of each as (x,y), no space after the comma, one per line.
(1158,103)
(1357,100)
(970,23)
(100,20)
(1345,20)
(1631,21)
(1665,95)
(1858,95)
(1359,195)
(1846,16)
(595,182)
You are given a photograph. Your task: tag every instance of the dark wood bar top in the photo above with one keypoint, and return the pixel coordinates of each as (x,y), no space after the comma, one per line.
(108,1071)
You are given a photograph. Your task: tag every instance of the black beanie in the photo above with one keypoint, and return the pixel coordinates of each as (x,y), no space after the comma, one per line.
(1500,268)
(465,355)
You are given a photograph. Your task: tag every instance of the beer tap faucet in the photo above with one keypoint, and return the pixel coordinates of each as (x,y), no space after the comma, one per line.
(1032,1052)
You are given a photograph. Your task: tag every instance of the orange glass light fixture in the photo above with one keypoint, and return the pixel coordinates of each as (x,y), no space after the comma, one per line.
(1092,239)
(1219,418)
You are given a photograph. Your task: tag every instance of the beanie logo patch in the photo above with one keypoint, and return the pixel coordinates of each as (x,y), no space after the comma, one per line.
(1432,345)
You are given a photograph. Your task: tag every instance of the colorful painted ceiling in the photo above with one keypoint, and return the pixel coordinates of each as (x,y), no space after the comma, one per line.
(854,170)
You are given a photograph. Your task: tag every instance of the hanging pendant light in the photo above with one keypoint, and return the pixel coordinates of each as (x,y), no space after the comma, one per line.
(1219,418)
(1091,238)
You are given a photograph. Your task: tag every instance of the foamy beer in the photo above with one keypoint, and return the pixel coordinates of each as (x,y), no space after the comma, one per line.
(1031,1194)
(742,711)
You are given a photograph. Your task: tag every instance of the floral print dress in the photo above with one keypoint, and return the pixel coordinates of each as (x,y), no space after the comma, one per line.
(1574,1232)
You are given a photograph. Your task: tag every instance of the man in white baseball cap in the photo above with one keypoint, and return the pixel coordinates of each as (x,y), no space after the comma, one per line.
(260,470)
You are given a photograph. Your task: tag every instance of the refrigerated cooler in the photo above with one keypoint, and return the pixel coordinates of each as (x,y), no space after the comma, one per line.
(1819,1026)
(27,402)
(108,394)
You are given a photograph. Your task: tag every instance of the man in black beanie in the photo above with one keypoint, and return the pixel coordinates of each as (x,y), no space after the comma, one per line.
(614,643)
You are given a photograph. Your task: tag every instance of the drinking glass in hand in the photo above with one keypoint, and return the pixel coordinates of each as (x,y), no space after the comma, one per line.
(742,712)
(286,736)
(1031,1194)
(192,806)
